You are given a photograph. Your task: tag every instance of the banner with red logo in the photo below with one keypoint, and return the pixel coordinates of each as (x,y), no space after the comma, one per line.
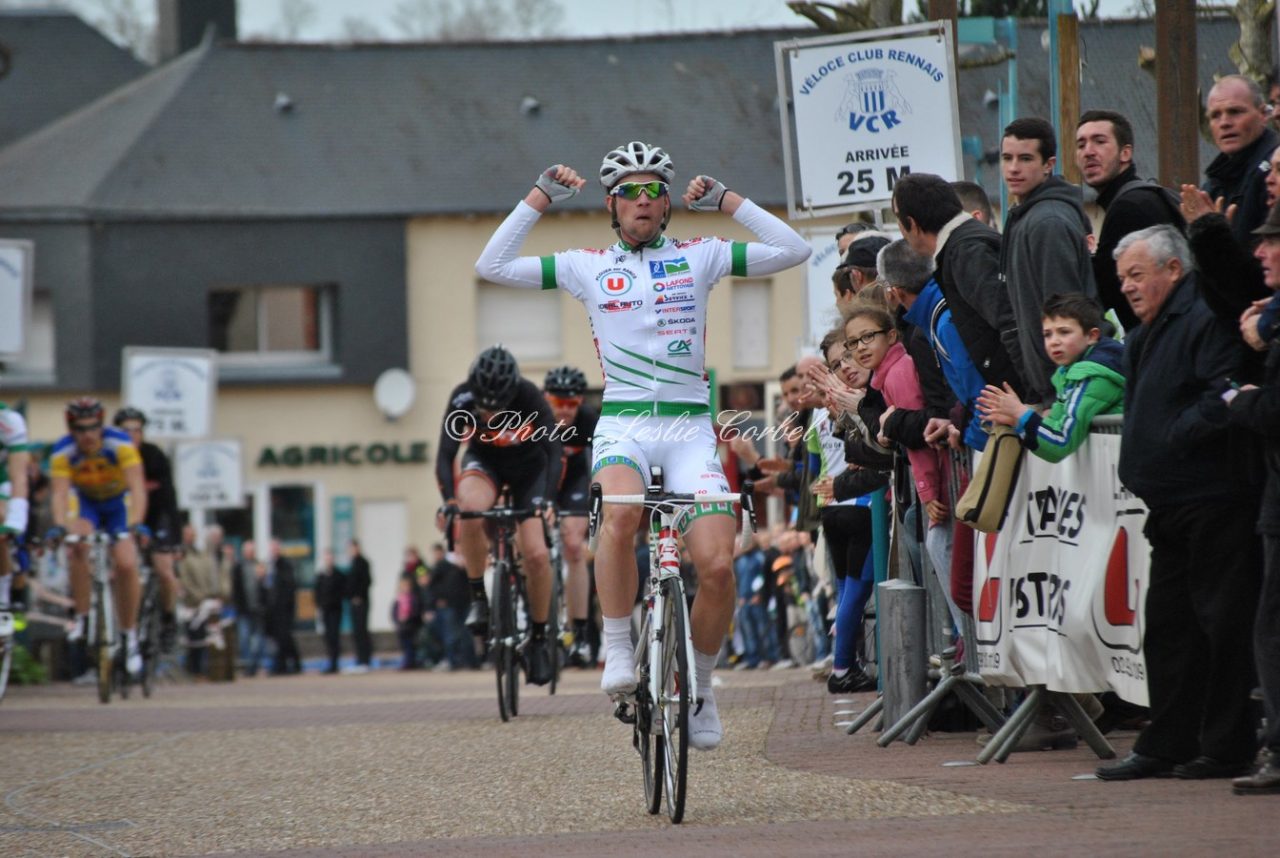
(1059,591)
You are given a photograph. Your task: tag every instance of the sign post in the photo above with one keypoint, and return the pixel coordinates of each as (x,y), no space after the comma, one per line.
(175,388)
(865,109)
(209,474)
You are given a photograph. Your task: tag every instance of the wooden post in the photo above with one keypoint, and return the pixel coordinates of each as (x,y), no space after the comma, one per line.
(1177,102)
(945,10)
(1069,94)
(904,657)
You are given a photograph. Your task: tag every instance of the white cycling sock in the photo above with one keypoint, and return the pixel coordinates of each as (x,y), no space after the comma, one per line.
(703,664)
(131,638)
(617,636)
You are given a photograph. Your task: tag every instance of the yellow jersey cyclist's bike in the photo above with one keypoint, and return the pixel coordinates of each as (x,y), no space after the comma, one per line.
(9,620)
(106,646)
(666,684)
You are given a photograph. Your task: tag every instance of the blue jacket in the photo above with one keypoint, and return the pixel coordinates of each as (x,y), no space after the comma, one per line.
(749,570)
(930,314)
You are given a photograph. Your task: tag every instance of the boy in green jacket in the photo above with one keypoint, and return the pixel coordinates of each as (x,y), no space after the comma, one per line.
(1088,381)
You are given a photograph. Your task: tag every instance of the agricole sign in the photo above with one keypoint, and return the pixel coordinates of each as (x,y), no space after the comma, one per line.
(376,453)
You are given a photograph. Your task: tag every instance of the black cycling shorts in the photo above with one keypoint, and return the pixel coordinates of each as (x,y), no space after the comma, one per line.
(527,481)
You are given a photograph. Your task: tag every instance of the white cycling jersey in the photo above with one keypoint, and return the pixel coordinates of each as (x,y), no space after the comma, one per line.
(13,438)
(647,305)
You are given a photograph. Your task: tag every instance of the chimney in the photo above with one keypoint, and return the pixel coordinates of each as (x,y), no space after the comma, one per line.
(182,24)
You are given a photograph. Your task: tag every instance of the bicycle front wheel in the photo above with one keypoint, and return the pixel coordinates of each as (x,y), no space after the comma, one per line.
(149,635)
(6,657)
(648,740)
(554,628)
(673,701)
(102,644)
(513,658)
(502,626)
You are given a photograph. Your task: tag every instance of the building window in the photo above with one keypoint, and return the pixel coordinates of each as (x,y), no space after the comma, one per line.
(264,325)
(750,324)
(36,364)
(526,321)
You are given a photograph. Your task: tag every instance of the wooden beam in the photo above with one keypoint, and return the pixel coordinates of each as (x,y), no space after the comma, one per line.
(1068,94)
(946,10)
(1177,101)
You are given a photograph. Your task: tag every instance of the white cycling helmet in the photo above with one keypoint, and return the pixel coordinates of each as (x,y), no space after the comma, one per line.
(635,157)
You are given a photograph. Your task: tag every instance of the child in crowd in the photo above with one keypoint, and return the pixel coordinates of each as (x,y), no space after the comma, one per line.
(406,613)
(1088,381)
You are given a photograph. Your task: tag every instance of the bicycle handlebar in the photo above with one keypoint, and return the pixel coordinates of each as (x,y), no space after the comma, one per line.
(654,498)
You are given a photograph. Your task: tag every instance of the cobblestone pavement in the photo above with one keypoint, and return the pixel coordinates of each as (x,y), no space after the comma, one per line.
(408,764)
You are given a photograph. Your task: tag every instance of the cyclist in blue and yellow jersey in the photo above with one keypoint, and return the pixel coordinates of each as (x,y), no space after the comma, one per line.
(14,456)
(576,423)
(646,297)
(103,469)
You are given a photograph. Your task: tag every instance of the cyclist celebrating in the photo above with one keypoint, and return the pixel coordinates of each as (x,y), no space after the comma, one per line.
(162,516)
(575,424)
(646,297)
(511,441)
(14,456)
(102,467)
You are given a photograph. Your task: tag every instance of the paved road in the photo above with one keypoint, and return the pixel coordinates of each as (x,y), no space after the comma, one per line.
(413,764)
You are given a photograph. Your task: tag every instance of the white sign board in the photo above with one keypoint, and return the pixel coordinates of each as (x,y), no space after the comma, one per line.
(821,315)
(209,474)
(174,388)
(866,109)
(16,273)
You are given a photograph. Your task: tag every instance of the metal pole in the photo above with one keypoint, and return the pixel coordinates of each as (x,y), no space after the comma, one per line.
(1177,102)
(904,659)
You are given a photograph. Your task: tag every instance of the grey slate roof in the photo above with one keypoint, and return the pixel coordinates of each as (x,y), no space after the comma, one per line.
(409,129)
(57,63)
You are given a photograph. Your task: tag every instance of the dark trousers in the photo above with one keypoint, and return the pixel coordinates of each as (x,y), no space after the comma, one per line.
(360,631)
(1266,642)
(333,635)
(287,658)
(1206,566)
(408,634)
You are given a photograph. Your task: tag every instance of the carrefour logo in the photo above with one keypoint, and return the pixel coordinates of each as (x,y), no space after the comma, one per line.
(669,268)
(680,348)
(615,281)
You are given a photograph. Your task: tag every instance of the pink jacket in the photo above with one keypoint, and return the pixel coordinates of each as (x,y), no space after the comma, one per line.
(898,382)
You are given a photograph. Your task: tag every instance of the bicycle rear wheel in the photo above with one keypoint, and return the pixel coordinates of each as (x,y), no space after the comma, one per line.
(554,630)
(673,703)
(102,644)
(647,740)
(513,659)
(149,635)
(502,626)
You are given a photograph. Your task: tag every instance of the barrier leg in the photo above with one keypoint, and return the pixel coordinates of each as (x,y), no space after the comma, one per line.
(980,705)
(921,711)
(1075,714)
(866,715)
(1012,730)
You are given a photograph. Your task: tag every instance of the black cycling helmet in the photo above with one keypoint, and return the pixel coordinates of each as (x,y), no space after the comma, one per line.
(128,413)
(493,378)
(565,381)
(84,408)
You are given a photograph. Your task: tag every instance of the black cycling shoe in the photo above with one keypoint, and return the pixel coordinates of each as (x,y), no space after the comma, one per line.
(168,632)
(580,654)
(537,662)
(478,617)
(852,681)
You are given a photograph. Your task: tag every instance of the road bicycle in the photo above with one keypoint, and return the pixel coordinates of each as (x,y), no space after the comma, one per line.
(508,625)
(149,627)
(106,648)
(559,625)
(666,683)
(8,620)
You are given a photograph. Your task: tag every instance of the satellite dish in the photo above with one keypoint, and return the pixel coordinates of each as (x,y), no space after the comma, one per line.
(393,393)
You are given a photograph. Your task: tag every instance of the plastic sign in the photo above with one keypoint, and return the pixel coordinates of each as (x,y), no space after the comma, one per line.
(174,388)
(16,266)
(867,109)
(209,474)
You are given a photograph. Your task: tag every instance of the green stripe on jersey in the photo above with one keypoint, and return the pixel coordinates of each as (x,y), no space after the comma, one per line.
(739,251)
(548,271)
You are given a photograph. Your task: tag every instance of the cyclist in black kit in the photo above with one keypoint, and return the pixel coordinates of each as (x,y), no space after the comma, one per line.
(162,517)
(564,387)
(509,430)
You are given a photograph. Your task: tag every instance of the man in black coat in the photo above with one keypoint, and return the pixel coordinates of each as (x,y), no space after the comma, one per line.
(281,601)
(1104,154)
(1199,477)
(330,592)
(359,581)
(1237,177)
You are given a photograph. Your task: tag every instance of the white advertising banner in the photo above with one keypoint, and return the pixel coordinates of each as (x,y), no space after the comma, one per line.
(174,388)
(209,474)
(17,258)
(1059,592)
(868,108)
(821,312)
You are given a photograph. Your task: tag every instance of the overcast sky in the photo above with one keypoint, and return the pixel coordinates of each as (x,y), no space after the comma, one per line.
(581,17)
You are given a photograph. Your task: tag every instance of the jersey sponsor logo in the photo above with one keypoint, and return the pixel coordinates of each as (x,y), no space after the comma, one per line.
(618,306)
(683,320)
(691,242)
(681,298)
(678,332)
(678,308)
(674,283)
(669,267)
(680,348)
(615,281)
